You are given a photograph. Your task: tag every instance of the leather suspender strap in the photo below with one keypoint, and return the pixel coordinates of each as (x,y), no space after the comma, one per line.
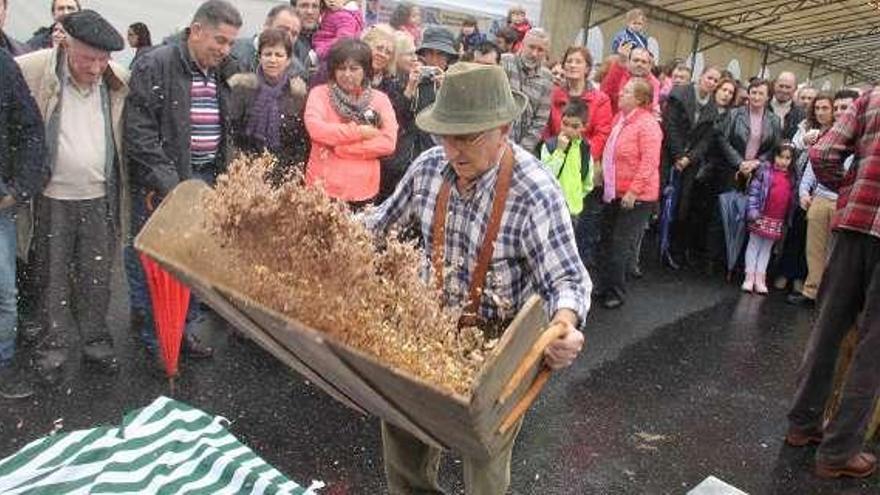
(487,249)
(438,232)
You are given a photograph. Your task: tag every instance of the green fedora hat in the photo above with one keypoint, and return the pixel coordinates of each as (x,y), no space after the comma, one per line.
(473,98)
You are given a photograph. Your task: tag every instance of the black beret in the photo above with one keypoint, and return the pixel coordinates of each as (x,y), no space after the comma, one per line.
(89,27)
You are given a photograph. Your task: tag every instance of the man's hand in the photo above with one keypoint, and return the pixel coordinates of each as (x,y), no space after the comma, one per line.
(682,163)
(629,201)
(806,201)
(748,166)
(7,202)
(563,351)
(562,142)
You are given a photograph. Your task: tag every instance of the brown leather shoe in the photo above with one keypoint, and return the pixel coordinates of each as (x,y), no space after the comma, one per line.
(797,437)
(860,465)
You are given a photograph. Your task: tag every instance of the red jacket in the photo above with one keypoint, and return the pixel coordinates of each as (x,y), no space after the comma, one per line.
(616,79)
(600,117)
(521,29)
(637,156)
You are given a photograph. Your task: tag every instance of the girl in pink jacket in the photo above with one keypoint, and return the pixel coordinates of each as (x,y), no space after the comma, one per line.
(351,127)
(339,19)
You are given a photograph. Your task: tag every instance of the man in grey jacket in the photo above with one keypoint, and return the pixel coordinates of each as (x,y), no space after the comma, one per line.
(528,75)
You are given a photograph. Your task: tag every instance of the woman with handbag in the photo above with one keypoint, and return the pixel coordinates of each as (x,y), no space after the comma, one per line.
(750,134)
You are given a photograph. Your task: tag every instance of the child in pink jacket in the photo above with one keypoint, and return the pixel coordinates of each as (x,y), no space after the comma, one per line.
(339,19)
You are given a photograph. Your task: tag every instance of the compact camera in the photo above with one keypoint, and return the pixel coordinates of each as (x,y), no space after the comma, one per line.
(429,72)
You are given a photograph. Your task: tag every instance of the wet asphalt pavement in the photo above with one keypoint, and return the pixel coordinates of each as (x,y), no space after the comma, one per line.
(689,379)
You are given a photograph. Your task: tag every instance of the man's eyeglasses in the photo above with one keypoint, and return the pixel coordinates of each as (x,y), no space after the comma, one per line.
(464,140)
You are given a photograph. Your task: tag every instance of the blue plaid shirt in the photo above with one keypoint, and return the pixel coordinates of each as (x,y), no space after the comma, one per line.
(535,251)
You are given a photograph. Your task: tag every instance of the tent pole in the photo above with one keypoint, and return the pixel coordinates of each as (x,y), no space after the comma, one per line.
(695,46)
(588,18)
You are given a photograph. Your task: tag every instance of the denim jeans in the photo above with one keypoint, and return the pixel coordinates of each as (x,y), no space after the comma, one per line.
(139,294)
(8,309)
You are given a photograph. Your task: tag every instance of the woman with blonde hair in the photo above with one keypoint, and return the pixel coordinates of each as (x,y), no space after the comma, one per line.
(382,41)
(405,48)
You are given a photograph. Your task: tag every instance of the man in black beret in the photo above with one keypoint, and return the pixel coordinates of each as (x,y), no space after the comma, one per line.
(81,94)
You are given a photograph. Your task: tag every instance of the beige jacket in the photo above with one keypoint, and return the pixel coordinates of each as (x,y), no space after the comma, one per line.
(41,72)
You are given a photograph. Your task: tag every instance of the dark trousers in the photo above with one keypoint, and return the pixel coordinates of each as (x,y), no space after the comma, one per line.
(138,291)
(74,257)
(793,261)
(588,227)
(620,232)
(850,293)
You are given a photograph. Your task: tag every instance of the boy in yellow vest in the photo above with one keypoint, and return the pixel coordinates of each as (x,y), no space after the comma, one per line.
(568,158)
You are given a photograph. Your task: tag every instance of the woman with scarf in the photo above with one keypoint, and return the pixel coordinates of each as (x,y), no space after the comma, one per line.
(266,107)
(351,125)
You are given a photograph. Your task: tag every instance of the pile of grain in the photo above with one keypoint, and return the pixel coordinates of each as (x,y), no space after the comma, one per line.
(303,255)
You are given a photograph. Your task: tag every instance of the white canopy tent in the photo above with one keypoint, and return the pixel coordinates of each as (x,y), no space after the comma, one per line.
(492,8)
(163,17)
(166,16)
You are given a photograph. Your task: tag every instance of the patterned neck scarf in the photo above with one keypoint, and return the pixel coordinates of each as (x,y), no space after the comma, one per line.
(351,107)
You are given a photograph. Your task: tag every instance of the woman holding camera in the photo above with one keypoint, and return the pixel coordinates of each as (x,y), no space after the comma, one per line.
(351,126)
(381,40)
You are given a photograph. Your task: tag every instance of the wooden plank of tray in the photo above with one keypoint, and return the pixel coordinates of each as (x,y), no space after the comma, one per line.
(468,425)
(515,343)
(312,348)
(175,236)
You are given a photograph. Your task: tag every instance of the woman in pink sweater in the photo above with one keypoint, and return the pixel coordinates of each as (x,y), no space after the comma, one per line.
(351,127)
(631,177)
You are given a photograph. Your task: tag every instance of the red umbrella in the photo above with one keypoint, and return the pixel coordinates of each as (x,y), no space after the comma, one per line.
(170,303)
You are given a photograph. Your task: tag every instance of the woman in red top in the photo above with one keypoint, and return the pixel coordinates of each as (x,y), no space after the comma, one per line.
(631,177)
(577,64)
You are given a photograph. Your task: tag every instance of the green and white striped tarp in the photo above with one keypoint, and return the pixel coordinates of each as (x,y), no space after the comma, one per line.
(167,447)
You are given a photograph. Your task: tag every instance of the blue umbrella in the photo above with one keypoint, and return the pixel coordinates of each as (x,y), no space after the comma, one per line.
(667,212)
(733,206)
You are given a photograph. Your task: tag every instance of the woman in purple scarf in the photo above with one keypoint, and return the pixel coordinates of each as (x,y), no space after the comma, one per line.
(266,108)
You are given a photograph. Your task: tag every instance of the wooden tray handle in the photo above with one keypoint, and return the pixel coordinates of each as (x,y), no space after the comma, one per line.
(523,405)
(535,354)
